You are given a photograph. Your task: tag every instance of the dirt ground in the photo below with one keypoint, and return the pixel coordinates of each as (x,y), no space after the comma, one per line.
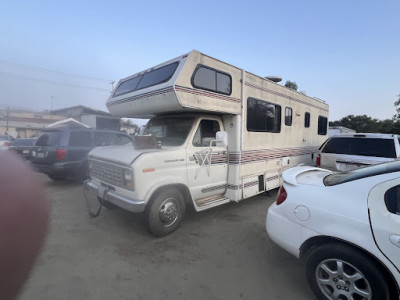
(222,253)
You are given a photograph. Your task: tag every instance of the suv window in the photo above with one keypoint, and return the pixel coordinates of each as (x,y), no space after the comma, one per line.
(23,142)
(103,138)
(110,138)
(80,138)
(121,139)
(49,138)
(361,146)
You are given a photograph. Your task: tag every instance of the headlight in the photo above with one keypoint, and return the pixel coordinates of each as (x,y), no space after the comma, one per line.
(128,179)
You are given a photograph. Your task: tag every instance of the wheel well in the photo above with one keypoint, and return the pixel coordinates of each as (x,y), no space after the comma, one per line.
(180,187)
(316,241)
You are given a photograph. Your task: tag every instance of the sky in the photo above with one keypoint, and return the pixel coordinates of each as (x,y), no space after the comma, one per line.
(56,54)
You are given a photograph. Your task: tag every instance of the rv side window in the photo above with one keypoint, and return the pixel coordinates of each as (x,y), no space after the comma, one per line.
(307,120)
(322,125)
(263,116)
(288,116)
(212,80)
(148,79)
(205,133)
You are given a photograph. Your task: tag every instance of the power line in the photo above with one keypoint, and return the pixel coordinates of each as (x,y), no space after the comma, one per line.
(53,71)
(56,82)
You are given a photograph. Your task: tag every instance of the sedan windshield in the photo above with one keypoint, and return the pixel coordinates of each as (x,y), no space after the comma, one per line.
(171,131)
(378,169)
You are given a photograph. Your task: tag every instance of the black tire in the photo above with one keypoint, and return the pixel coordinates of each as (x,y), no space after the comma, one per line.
(55,178)
(329,269)
(165,212)
(108,205)
(83,173)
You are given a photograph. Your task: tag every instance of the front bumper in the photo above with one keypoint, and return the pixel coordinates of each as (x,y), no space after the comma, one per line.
(92,192)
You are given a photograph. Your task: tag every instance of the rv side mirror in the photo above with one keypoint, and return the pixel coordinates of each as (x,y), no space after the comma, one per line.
(222,139)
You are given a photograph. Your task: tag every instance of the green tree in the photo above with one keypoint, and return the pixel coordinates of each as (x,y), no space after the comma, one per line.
(361,123)
(129,124)
(291,85)
(396,117)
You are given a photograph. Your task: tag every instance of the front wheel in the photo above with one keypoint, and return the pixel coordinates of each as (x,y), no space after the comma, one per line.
(165,212)
(339,271)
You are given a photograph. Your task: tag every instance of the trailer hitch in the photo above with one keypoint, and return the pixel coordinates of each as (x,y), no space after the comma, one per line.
(93,200)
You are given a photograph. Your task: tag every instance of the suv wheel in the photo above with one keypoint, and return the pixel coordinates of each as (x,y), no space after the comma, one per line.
(83,173)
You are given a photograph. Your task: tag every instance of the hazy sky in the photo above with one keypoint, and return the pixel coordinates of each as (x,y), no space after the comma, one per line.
(344,52)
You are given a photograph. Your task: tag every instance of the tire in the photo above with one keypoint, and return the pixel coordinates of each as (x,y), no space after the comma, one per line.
(55,178)
(339,271)
(165,212)
(83,173)
(108,205)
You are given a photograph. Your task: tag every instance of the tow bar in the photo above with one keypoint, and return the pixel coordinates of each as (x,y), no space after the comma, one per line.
(93,199)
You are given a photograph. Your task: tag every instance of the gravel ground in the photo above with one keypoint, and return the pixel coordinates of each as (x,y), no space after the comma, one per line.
(222,253)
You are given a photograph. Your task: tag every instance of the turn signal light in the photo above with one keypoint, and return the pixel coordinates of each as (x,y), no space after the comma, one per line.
(281,196)
(61,154)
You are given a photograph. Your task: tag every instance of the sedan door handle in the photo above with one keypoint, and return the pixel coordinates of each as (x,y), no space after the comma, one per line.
(395,240)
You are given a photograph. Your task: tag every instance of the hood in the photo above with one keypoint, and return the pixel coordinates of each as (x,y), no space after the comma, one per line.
(305,175)
(124,154)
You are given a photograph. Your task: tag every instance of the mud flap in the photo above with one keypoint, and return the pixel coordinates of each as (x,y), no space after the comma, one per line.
(93,202)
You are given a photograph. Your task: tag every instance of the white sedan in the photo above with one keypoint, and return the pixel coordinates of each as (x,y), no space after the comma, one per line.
(344,226)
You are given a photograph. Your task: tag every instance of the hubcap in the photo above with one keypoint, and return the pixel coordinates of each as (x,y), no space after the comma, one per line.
(169,212)
(341,280)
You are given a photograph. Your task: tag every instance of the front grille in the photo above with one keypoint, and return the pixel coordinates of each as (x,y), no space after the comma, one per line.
(107,172)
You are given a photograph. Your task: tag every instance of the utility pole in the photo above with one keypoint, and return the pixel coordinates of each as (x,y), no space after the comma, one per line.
(8,114)
(51,103)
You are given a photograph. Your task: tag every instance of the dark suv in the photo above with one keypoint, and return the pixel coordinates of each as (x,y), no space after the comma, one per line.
(63,152)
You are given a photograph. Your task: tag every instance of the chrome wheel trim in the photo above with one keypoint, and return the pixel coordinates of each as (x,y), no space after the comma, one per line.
(338,279)
(168,212)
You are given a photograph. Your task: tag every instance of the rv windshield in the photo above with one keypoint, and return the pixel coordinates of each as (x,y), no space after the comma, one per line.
(171,131)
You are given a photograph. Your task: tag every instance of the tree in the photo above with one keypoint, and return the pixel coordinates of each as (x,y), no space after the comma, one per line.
(396,117)
(129,126)
(291,85)
(361,123)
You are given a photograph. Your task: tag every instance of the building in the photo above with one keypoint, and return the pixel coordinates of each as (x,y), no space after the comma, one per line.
(28,123)
(24,123)
(92,117)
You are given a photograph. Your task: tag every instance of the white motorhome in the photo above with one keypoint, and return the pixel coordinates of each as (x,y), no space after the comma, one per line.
(216,134)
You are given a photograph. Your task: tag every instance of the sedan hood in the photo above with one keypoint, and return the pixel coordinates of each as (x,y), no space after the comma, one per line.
(124,154)
(305,175)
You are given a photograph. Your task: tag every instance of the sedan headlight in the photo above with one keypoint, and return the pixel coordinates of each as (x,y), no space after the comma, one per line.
(128,179)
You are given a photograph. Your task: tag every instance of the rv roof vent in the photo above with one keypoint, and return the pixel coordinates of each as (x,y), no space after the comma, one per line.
(274,78)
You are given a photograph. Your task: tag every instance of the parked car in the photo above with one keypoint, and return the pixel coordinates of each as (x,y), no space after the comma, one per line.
(344,226)
(22,146)
(63,152)
(5,141)
(352,151)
